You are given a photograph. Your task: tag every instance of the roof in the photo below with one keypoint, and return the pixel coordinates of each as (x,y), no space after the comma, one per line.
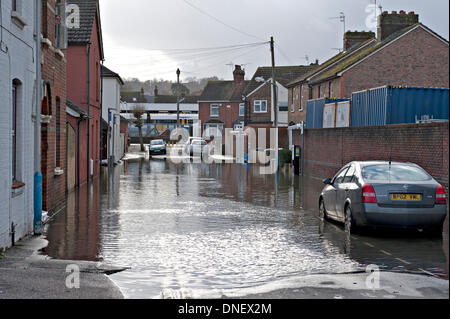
(172,99)
(363,52)
(89,10)
(107,73)
(136,97)
(283,75)
(130,97)
(76,108)
(223,91)
(329,62)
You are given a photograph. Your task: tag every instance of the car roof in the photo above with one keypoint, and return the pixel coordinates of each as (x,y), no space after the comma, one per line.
(369,163)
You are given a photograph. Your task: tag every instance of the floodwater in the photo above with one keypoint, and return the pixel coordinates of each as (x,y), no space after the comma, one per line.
(200,230)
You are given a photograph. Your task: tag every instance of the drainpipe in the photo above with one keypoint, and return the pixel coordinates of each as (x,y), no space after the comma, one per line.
(78,150)
(37,220)
(88,176)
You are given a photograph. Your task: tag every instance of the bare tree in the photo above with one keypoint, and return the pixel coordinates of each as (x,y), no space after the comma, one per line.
(138,112)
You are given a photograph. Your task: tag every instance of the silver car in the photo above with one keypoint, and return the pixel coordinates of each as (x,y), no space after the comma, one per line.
(385,194)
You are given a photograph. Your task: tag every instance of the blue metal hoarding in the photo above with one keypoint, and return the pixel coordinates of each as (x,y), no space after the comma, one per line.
(398,105)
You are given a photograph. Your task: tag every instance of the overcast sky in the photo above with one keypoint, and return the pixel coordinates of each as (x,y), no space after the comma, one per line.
(134,32)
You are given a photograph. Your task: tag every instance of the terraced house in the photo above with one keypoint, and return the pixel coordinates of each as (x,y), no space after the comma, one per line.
(221,104)
(403,53)
(18,120)
(84,58)
(53,106)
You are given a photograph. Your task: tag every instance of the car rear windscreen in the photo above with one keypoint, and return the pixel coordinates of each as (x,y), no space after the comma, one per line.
(386,172)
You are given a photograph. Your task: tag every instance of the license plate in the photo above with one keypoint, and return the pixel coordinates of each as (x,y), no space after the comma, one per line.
(406,197)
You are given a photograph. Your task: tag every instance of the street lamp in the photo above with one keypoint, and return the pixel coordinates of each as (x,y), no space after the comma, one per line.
(178,97)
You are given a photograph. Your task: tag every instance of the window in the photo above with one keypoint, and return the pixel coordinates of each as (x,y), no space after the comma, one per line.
(260,106)
(241,109)
(301,98)
(340,177)
(292,100)
(16,6)
(214,112)
(320,91)
(399,173)
(350,175)
(58,133)
(15,131)
(330,90)
(60,26)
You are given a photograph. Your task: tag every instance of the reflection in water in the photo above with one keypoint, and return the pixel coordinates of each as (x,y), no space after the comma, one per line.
(202,226)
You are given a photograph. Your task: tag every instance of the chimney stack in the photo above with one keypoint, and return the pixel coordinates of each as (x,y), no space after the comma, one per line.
(390,23)
(352,38)
(156,91)
(239,74)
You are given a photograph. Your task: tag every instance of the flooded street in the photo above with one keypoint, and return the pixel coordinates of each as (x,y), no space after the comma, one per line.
(199,230)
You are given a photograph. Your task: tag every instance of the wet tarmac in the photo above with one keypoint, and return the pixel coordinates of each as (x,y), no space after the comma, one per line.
(200,230)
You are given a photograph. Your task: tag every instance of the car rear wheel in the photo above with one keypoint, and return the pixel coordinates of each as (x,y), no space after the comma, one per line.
(322,210)
(350,225)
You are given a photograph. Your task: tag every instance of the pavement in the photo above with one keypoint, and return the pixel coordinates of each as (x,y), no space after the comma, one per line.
(24,274)
(350,286)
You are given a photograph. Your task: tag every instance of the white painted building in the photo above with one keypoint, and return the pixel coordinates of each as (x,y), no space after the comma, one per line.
(112,82)
(17,87)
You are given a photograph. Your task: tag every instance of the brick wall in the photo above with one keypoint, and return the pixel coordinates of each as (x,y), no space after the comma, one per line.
(327,150)
(53,134)
(263,94)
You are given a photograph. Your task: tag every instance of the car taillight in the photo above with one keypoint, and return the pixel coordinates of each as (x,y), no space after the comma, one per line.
(368,194)
(440,196)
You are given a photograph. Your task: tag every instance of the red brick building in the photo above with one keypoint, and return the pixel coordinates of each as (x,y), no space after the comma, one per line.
(404,53)
(84,56)
(53,128)
(221,104)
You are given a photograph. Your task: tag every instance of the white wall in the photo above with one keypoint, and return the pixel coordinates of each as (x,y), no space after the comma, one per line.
(111,100)
(17,62)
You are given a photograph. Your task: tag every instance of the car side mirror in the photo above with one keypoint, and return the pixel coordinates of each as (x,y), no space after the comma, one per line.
(327,181)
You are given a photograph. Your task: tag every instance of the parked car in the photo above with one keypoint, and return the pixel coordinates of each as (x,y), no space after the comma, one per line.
(157,147)
(196,147)
(400,195)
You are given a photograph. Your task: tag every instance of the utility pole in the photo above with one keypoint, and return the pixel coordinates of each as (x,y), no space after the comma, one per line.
(178,97)
(275,99)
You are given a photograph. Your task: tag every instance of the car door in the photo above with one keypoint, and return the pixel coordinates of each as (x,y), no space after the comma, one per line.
(342,191)
(329,193)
